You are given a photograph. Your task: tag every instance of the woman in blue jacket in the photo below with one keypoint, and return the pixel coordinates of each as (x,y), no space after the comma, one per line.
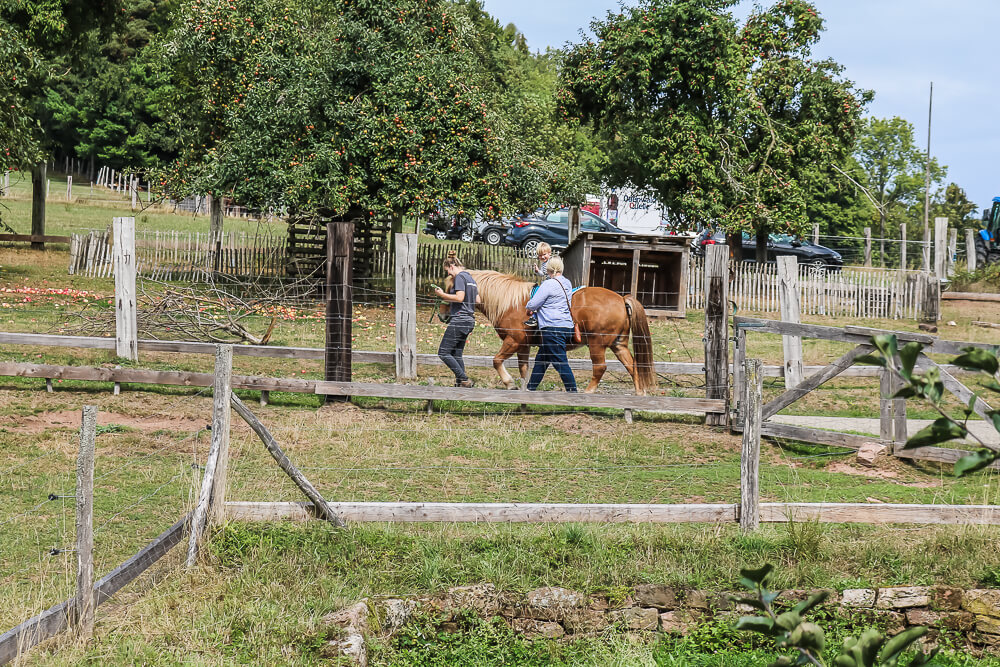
(551,305)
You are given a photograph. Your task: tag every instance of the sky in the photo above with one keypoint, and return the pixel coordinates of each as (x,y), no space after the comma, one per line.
(894,47)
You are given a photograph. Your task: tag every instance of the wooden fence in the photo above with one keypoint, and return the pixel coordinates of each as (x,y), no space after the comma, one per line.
(192,256)
(849,292)
(180,256)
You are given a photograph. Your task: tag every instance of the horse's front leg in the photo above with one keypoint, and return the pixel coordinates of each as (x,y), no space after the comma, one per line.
(507,349)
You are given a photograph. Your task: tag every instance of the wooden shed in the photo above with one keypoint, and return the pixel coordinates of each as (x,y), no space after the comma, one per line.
(652,268)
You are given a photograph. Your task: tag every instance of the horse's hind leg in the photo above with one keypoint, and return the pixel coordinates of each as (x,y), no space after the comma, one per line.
(625,356)
(522,361)
(597,354)
(508,348)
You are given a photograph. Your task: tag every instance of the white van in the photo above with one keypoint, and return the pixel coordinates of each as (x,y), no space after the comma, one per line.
(633,210)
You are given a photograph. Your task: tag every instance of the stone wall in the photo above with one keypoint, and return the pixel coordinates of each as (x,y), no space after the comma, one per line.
(552,613)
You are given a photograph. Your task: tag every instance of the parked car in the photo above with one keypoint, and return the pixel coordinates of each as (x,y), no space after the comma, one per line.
(491,232)
(553,228)
(443,227)
(777,245)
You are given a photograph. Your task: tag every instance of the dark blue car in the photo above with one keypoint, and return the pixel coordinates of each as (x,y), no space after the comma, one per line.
(553,228)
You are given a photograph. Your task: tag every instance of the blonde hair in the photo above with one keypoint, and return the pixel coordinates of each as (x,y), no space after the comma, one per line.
(555,265)
(543,247)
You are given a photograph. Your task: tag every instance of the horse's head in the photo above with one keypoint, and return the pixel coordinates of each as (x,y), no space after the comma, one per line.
(444,308)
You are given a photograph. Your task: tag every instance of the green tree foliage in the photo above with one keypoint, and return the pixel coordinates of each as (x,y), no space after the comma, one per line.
(791,631)
(928,386)
(727,124)
(954,204)
(347,106)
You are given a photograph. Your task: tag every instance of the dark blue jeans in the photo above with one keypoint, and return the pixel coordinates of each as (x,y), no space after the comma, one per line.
(453,344)
(553,352)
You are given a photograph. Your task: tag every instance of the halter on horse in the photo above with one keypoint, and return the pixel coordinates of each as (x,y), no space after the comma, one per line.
(605,319)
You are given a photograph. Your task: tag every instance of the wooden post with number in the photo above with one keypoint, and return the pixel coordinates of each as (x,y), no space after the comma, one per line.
(753,373)
(406,306)
(339,301)
(717,330)
(83,604)
(126,326)
(788,296)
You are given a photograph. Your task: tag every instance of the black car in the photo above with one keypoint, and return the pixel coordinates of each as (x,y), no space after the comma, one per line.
(777,245)
(553,228)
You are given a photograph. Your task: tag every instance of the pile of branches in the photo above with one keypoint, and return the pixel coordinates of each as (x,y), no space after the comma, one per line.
(215,312)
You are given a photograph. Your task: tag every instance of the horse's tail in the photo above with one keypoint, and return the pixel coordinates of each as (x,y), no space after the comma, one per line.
(642,345)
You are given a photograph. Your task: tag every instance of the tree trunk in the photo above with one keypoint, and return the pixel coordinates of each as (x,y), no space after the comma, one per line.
(735,243)
(762,234)
(38,186)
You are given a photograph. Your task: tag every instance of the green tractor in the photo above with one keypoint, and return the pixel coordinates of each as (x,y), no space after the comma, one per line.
(988,238)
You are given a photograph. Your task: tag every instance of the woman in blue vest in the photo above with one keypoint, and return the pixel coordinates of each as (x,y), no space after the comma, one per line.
(551,305)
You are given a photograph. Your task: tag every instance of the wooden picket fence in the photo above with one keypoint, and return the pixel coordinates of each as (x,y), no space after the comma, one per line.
(431,256)
(181,256)
(850,292)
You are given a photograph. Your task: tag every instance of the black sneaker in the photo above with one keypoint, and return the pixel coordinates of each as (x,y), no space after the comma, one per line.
(467,384)
(532,323)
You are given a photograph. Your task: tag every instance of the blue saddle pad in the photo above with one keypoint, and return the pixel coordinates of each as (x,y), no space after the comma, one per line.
(572,291)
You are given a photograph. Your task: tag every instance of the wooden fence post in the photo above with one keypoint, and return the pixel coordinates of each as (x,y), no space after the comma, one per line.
(739,356)
(406,306)
(83,607)
(574,224)
(902,246)
(952,250)
(215,233)
(339,302)
(885,422)
(750,455)
(38,185)
(69,188)
(970,249)
(815,233)
(941,248)
(930,307)
(126,326)
(788,295)
(898,412)
(868,246)
(717,330)
(212,497)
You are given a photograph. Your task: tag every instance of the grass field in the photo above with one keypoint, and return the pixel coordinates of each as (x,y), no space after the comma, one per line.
(265,587)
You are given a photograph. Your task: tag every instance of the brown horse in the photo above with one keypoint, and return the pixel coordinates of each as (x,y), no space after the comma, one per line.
(605,319)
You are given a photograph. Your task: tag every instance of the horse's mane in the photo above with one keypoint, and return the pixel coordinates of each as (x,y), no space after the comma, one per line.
(499,292)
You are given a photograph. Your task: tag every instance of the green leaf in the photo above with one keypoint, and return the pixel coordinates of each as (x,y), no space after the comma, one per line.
(866,650)
(900,642)
(977,359)
(975,461)
(992,385)
(759,624)
(811,602)
(871,359)
(994,416)
(783,661)
(941,430)
(886,344)
(844,660)
(788,620)
(808,636)
(759,575)
(933,389)
(908,357)
(905,392)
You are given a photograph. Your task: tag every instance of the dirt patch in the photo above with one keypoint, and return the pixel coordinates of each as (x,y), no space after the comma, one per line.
(848,469)
(582,424)
(70,419)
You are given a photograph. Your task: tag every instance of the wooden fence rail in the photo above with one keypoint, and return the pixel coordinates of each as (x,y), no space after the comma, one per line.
(849,292)
(402,512)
